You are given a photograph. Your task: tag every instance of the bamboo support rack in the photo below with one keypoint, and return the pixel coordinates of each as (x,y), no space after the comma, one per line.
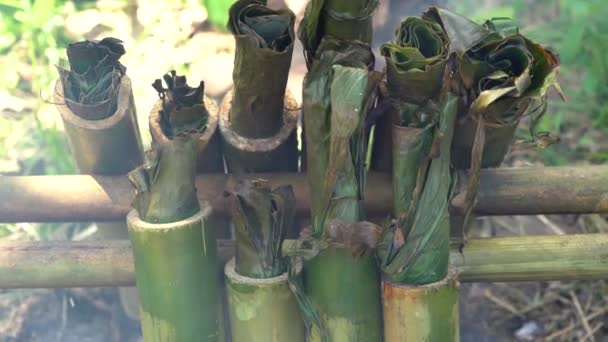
(510,191)
(48,264)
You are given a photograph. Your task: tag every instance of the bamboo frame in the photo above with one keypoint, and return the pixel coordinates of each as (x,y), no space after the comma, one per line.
(515,191)
(48,264)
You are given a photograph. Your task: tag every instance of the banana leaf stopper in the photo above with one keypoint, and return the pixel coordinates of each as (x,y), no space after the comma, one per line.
(165,186)
(416,60)
(264,46)
(92,83)
(505,77)
(261,218)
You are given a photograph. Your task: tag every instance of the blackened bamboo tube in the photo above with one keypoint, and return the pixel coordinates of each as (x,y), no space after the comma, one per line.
(275,153)
(421,313)
(262,309)
(176,274)
(110,146)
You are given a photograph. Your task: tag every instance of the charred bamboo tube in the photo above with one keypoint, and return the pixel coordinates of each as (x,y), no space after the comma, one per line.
(262,309)
(52,264)
(176,271)
(209,159)
(277,152)
(421,313)
(503,191)
(110,146)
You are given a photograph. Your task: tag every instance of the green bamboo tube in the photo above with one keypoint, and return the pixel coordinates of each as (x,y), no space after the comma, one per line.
(349,310)
(421,313)
(277,153)
(262,310)
(209,158)
(176,274)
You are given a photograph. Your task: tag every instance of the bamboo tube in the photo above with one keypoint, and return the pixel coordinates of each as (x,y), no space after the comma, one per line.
(262,310)
(343,317)
(277,153)
(508,191)
(52,264)
(109,146)
(176,272)
(421,313)
(209,158)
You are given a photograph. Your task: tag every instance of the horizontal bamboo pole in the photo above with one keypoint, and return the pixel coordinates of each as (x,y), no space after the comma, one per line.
(42,264)
(509,191)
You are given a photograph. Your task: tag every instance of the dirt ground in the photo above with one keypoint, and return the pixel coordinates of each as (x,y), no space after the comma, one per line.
(165,37)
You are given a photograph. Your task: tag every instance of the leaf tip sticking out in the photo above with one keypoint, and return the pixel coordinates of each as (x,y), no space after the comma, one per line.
(261,218)
(183,110)
(91,85)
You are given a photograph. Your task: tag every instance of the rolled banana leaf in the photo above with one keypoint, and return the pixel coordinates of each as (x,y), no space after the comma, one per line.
(264,46)
(321,145)
(506,76)
(337,97)
(415,64)
(415,250)
(92,83)
(343,20)
(261,218)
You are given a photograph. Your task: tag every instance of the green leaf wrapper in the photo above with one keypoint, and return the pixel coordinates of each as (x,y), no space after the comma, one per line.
(166,190)
(261,218)
(334,136)
(264,46)
(343,20)
(92,83)
(416,250)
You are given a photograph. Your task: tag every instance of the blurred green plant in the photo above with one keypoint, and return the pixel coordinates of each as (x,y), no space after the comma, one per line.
(217,12)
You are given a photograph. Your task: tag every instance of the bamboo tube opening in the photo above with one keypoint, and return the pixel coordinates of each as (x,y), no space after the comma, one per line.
(421,313)
(136,223)
(123,108)
(274,153)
